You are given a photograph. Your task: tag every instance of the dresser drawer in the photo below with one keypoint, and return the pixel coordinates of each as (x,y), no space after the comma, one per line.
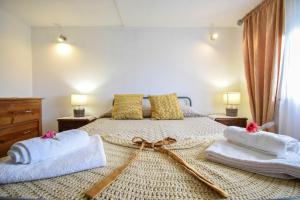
(11,113)
(9,136)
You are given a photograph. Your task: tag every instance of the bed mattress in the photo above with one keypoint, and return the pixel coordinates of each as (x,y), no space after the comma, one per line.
(153,175)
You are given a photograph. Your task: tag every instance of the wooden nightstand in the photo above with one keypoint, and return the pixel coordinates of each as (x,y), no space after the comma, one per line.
(67,123)
(230,121)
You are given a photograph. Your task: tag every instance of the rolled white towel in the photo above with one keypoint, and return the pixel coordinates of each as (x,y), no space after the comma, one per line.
(274,144)
(39,149)
(90,156)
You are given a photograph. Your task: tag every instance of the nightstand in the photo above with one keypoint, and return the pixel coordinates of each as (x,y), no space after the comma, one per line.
(229,121)
(67,123)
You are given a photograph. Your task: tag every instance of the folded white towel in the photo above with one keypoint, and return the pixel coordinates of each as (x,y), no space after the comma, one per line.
(39,149)
(87,157)
(250,160)
(274,144)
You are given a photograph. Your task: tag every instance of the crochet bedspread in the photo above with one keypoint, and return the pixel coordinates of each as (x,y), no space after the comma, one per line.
(154,175)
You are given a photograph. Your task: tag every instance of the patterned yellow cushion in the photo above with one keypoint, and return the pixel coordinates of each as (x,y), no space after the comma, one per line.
(128,106)
(165,107)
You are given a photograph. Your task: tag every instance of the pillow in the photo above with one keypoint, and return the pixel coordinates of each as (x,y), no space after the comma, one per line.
(165,107)
(106,114)
(188,111)
(147,111)
(128,106)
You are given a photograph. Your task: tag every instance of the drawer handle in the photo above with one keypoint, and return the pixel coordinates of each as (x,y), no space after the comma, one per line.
(28,111)
(13,117)
(26,132)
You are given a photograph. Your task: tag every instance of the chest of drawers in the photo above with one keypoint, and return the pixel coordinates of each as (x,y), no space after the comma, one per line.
(20,119)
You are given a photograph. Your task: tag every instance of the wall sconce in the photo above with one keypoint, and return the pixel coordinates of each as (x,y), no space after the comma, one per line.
(213,36)
(62,38)
(62,47)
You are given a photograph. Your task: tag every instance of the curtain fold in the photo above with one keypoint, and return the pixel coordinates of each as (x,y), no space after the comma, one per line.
(262,38)
(289,104)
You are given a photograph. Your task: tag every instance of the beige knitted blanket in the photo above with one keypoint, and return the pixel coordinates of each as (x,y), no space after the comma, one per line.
(155,176)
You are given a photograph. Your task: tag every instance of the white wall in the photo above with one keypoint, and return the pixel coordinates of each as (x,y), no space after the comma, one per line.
(105,61)
(15,57)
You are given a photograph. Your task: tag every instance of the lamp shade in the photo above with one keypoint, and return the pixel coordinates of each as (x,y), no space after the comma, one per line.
(232,98)
(78,99)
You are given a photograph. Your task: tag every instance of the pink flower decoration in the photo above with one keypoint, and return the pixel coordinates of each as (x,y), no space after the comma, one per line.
(49,134)
(252,127)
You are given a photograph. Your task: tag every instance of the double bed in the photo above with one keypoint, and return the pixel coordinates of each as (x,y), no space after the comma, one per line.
(154,175)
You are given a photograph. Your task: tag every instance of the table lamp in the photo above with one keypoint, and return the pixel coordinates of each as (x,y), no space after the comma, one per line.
(78,100)
(232,99)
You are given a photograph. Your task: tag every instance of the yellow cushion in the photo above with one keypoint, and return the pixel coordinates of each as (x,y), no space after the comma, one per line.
(128,106)
(165,107)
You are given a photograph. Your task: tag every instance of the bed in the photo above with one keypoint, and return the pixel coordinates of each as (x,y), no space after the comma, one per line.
(154,175)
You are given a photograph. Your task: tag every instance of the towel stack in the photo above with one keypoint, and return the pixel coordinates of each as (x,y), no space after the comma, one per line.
(261,152)
(37,158)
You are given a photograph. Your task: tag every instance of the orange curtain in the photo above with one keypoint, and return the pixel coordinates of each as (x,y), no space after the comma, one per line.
(262,38)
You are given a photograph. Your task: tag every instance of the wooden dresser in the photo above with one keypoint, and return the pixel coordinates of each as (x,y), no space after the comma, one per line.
(20,119)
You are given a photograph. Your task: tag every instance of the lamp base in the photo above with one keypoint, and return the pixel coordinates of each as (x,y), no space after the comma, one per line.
(79,112)
(231,112)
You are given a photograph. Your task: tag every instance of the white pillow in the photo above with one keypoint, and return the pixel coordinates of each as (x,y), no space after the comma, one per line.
(189,111)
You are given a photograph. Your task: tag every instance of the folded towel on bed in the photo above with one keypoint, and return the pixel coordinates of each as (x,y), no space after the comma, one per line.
(87,157)
(274,144)
(39,149)
(247,159)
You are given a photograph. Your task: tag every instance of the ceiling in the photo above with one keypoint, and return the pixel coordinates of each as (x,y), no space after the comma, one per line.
(137,13)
